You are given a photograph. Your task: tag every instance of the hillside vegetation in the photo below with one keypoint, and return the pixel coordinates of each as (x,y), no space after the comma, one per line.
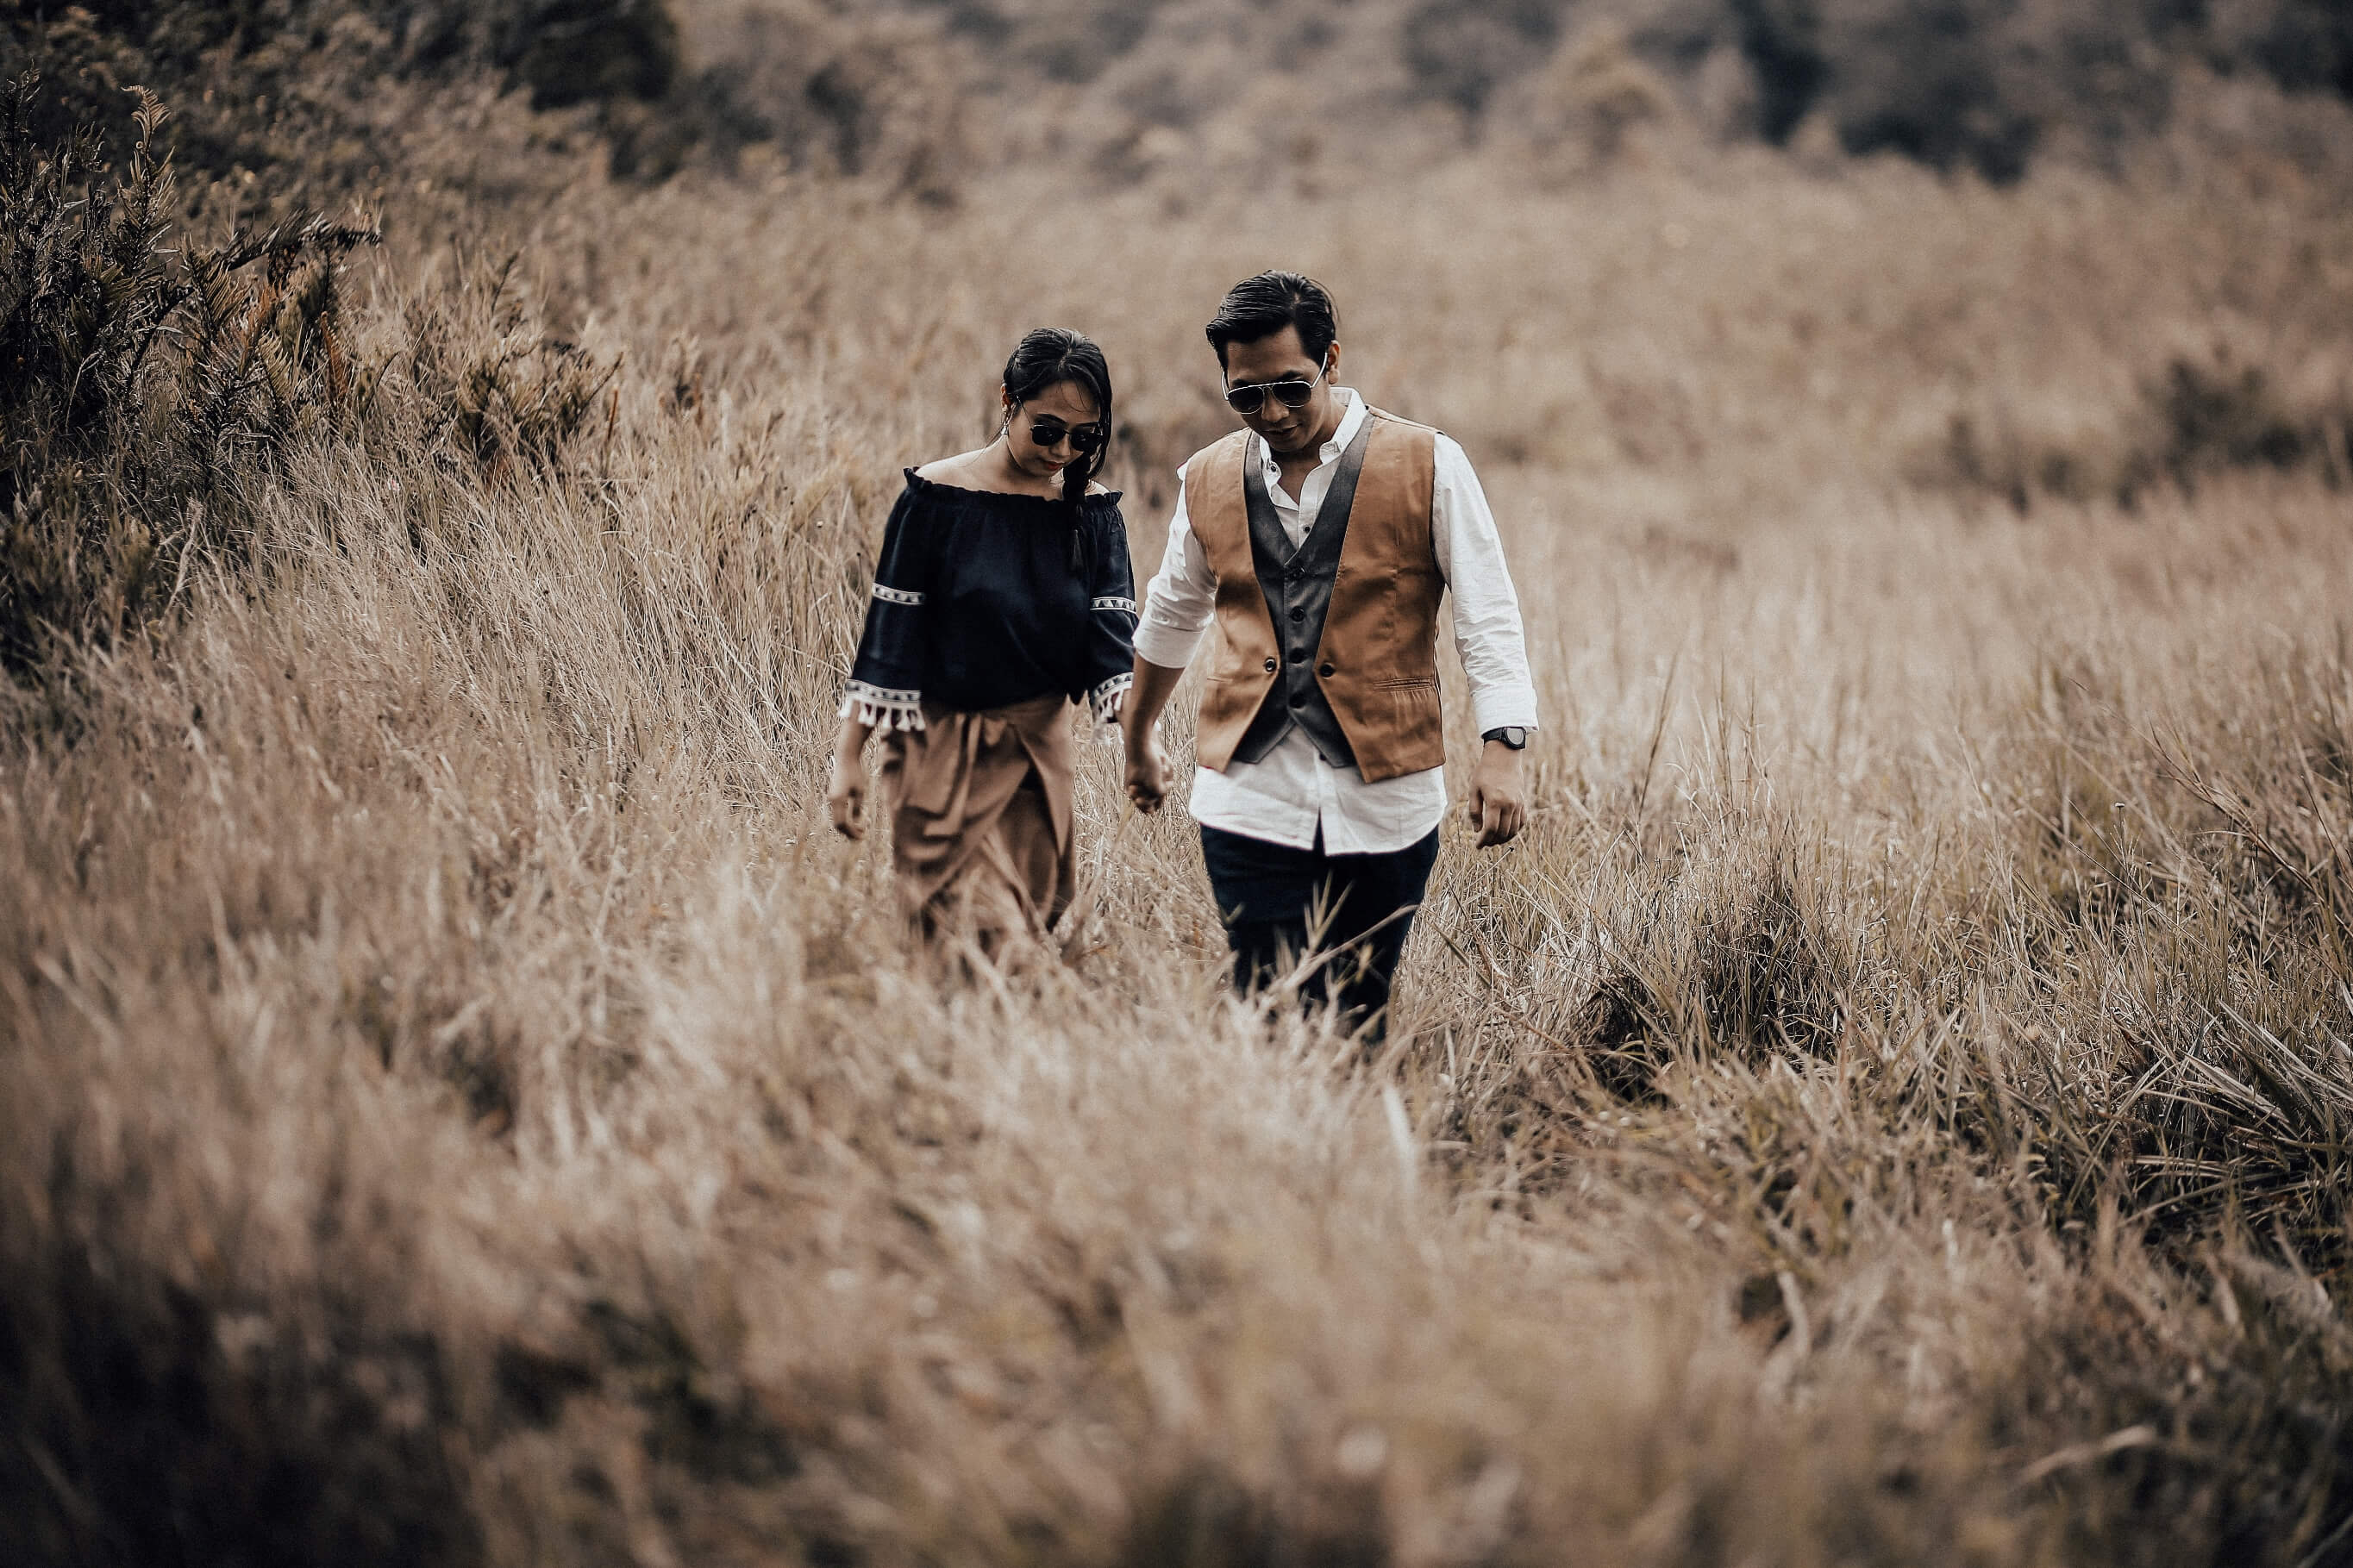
(927,95)
(458,1104)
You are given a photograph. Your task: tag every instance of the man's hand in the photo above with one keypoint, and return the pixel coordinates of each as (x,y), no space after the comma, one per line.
(1139,728)
(845,794)
(1499,795)
(1147,770)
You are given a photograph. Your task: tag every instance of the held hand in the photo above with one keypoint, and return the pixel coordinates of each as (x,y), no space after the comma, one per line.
(1147,772)
(845,795)
(1499,795)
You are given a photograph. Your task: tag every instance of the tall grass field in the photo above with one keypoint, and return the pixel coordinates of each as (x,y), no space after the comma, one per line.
(460,1103)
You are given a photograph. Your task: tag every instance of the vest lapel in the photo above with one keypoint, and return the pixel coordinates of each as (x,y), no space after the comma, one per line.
(1271,549)
(1272,552)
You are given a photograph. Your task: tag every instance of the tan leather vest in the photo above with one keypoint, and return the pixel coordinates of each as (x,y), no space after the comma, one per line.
(1377,662)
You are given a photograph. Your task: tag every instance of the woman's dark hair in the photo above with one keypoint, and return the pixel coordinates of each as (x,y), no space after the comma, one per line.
(1263,306)
(1047,357)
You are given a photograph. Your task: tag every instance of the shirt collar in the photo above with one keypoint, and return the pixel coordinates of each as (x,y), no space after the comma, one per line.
(1350,423)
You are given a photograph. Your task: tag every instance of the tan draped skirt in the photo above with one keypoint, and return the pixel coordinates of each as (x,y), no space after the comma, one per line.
(980,821)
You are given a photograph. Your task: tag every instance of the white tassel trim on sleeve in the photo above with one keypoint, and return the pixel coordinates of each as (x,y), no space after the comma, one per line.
(883,707)
(1104,700)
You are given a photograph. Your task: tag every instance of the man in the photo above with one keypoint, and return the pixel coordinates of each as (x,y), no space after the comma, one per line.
(1320,540)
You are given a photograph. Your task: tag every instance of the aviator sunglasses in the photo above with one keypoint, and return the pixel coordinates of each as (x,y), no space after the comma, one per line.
(1048,432)
(1251,397)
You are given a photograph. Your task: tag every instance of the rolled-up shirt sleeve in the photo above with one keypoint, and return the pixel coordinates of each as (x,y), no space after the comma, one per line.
(1181,598)
(1487,630)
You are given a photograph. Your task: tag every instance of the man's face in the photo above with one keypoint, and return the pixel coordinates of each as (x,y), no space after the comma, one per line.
(1282,357)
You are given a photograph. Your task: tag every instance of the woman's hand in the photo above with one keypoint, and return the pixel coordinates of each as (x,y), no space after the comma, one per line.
(845,796)
(845,791)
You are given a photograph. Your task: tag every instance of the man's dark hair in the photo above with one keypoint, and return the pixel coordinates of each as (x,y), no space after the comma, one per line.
(1263,306)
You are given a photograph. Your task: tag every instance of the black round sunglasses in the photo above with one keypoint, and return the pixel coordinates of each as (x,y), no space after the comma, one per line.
(1049,431)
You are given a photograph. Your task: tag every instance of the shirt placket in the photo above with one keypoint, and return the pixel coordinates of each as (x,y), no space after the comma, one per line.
(1298,519)
(1336,841)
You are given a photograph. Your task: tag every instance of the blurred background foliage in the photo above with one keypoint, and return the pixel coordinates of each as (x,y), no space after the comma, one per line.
(457,1106)
(927,92)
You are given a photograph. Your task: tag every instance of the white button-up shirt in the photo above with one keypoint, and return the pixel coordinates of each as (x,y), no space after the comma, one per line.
(1289,794)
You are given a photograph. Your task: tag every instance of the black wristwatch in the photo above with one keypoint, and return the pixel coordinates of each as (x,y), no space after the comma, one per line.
(1513,736)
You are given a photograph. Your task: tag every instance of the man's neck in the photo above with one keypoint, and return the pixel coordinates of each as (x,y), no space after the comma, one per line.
(1296,467)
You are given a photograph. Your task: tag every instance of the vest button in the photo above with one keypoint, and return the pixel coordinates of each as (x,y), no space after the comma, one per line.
(1298,615)
(1325,668)
(1271,666)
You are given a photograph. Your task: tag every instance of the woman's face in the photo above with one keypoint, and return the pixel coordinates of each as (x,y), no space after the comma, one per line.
(1053,412)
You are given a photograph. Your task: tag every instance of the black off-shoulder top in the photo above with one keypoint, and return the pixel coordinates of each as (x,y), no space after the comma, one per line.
(981,600)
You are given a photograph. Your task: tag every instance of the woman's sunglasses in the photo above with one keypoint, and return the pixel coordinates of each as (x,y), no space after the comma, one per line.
(1048,431)
(1250,398)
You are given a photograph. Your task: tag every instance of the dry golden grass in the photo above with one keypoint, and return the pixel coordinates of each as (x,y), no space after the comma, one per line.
(457,1102)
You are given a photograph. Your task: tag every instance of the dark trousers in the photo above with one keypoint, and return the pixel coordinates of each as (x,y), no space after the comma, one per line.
(1279,903)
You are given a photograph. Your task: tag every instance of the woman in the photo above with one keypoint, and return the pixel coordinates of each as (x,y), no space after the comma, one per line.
(1003,589)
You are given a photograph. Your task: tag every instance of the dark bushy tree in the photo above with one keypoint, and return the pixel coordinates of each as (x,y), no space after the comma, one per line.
(1977,84)
(1461,50)
(310,62)
(2304,45)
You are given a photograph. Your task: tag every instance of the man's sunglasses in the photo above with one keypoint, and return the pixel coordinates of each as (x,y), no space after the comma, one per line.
(1049,431)
(1251,397)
